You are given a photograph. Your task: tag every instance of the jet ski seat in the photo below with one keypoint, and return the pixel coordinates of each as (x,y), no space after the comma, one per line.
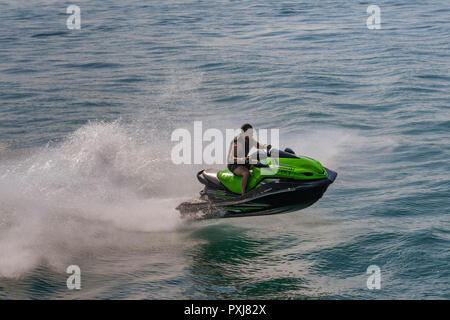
(210,177)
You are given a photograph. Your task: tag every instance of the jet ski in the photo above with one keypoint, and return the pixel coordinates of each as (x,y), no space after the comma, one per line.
(282,183)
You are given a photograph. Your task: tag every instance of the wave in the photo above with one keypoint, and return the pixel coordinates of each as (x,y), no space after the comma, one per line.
(72,197)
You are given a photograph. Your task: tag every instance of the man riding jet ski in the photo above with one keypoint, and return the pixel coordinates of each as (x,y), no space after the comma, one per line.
(284,183)
(238,161)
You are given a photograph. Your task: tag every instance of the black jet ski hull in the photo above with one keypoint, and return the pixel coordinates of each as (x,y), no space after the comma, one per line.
(270,198)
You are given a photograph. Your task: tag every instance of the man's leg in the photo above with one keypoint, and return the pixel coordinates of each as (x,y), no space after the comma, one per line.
(245,174)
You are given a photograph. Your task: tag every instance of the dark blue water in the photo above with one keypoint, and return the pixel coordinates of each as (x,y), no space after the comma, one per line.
(85,171)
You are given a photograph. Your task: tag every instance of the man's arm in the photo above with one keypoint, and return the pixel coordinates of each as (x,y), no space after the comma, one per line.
(257,144)
(262,145)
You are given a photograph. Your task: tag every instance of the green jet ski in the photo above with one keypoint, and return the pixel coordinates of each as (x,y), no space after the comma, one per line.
(282,183)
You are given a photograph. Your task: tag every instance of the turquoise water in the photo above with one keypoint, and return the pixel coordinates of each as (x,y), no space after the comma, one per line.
(85,172)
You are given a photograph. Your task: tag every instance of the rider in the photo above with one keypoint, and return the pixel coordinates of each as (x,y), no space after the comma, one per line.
(238,161)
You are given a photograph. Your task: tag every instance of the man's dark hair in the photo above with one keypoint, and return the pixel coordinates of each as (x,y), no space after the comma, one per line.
(246,126)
